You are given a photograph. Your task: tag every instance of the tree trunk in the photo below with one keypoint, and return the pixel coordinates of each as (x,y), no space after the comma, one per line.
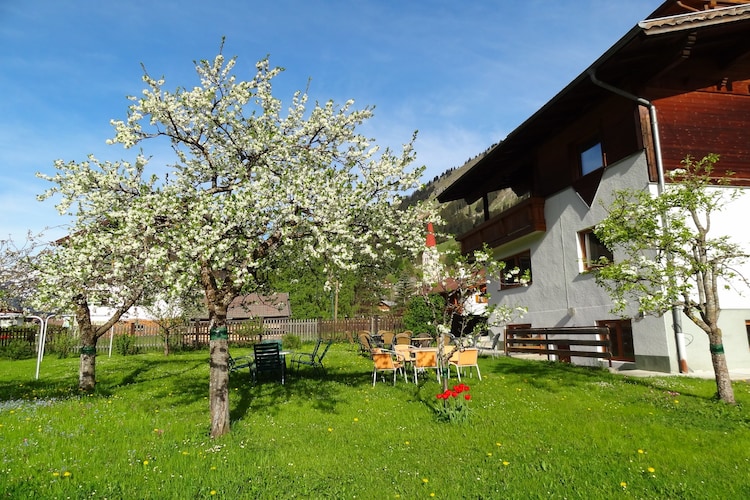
(87,366)
(724,390)
(219,383)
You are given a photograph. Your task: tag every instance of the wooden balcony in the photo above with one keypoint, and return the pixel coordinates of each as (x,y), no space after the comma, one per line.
(525,218)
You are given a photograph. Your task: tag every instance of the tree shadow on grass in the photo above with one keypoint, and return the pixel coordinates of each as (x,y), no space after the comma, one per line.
(548,375)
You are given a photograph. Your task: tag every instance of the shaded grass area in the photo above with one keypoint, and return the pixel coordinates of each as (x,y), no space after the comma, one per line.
(538,430)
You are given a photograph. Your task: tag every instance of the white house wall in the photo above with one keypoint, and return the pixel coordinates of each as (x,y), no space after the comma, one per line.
(562,295)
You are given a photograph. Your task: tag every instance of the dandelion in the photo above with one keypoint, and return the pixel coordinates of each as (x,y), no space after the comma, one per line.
(56,474)
(498,444)
(641,452)
(489,453)
(651,470)
(213,492)
(330,429)
(67,474)
(624,485)
(145,462)
(425,480)
(356,419)
(505,462)
(432,494)
(407,443)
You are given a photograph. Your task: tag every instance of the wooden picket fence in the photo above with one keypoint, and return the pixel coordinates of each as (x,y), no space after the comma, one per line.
(196,334)
(148,335)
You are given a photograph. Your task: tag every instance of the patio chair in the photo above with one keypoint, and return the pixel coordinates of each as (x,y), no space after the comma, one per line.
(268,359)
(313,359)
(386,338)
(236,364)
(425,359)
(403,338)
(365,343)
(386,361)
(462,359)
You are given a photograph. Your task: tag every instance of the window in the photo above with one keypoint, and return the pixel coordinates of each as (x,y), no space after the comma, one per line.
(517,271)
(593,252)
(747,329)
(591,157)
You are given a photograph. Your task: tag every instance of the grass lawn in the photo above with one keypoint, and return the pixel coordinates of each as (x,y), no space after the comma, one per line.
(538,430)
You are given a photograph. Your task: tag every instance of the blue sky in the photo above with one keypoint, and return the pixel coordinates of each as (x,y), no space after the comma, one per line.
(464,74)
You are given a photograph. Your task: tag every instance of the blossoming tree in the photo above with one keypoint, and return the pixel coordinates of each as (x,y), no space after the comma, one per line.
(253,186)
(464,282)
(666,256)
(107,259)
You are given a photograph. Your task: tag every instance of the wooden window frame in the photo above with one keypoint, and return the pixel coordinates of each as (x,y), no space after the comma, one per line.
(586,151)
(589,261)
(523,262)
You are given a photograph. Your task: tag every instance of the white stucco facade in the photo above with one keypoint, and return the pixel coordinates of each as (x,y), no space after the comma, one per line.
(563,295)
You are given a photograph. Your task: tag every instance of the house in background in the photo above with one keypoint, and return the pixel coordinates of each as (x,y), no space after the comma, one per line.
(244,307)
(273,306)
(676,84)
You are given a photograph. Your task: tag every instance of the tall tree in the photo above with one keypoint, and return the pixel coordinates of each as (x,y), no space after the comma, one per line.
(253,187)
(665,256)
(107,259)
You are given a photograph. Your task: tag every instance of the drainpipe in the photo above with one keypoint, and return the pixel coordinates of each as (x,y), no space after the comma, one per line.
(676,316)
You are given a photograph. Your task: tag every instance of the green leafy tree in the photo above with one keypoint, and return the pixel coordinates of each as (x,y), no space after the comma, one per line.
(255,187)
(665,256)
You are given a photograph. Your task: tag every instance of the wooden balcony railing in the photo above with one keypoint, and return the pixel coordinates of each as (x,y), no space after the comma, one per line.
(525,218)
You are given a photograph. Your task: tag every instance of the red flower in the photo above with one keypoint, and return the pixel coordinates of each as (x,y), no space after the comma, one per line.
(467,397)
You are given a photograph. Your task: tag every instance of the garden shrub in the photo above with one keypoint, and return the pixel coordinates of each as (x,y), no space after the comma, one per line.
(17,349)
(62,342)
(291,342)
(125,344)
(422,312)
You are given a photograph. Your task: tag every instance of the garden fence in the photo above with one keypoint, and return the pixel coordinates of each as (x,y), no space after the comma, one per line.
(149,336)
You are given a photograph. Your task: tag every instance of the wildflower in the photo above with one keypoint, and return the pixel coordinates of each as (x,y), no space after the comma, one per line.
(489,453)
(213,492)
(407,443)
(467,397)
(425,480)
(356,419)
(56,474)
(505,462)
(145,462)
(641,452)
(651,470)
(624,485)
(498,444)
(67,474)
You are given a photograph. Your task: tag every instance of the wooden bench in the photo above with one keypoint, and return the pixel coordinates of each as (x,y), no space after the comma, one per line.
(564,342)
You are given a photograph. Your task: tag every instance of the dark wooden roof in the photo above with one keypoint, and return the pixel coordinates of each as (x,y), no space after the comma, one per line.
(257,306)
(642,55)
